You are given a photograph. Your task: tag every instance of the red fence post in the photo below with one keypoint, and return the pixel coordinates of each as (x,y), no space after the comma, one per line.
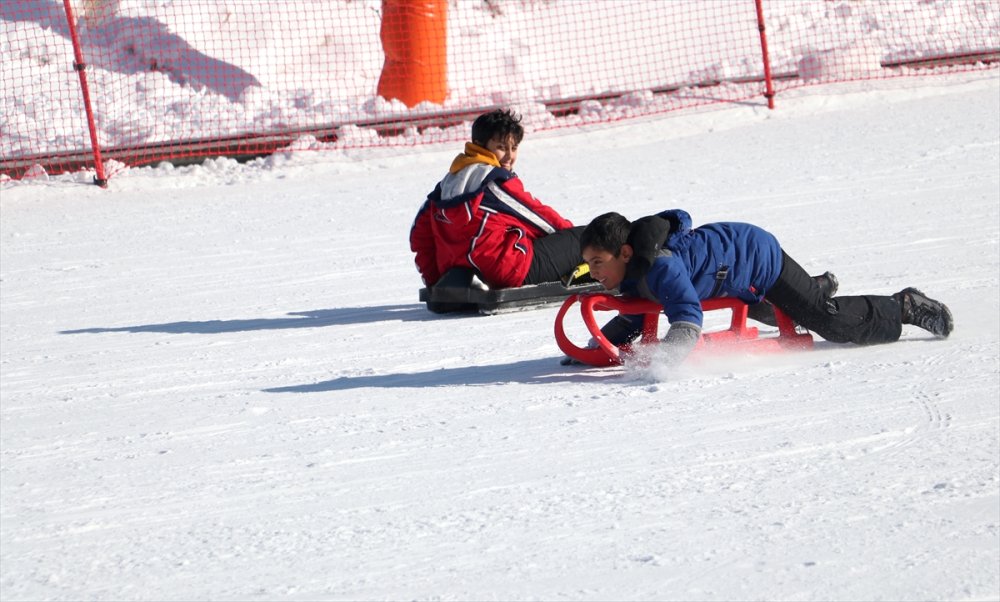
(768,81)
(81,69)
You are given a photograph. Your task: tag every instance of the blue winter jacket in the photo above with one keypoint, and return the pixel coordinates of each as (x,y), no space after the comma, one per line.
(678,266)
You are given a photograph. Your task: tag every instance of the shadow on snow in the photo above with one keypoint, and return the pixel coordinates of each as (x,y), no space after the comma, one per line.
(537,371)
(317,318)
(130,45)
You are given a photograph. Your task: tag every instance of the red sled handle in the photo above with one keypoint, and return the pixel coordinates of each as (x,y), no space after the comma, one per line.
(605,353)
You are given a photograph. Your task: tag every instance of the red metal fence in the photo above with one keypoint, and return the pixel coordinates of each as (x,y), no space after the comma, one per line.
(103,84)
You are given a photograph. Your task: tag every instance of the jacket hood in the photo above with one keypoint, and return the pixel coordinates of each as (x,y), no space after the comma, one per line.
(473,154)
(655,234)
(680,224)
(468,174)
(646,237)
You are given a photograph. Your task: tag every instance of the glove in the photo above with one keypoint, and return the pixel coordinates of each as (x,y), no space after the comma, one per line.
(679,342)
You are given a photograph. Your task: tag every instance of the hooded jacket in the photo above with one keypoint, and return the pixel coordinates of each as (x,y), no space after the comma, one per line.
(481,217)
(678,266)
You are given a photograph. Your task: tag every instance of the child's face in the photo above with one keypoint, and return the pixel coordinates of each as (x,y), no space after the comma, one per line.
(605,267)
(505,148)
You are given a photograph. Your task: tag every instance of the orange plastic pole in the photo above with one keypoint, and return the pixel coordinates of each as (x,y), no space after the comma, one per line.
(414,38)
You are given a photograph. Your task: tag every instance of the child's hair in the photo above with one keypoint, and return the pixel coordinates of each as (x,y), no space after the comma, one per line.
(497,123)
(607,232)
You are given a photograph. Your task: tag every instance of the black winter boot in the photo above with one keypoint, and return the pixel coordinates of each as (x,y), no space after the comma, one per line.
(828,282)
(920,310)
(763,312)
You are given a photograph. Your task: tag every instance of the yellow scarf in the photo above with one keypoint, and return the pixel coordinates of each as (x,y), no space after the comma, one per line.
(473,154)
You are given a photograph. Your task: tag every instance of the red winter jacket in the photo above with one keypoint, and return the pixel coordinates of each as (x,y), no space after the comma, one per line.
(479,216)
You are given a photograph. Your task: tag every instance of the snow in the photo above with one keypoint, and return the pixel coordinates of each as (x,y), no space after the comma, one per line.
(218,382)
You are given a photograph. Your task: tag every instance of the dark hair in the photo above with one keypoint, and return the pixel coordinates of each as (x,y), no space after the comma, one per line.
(497,123)
(607,232)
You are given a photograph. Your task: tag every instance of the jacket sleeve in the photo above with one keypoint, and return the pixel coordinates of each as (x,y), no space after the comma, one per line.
(671,284)
(512,198)
(682,306)
(422,243)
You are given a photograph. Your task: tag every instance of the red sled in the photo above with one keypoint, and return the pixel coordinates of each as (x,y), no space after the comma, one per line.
(737,337)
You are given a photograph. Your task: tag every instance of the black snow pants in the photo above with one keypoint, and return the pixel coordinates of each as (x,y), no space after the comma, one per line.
(556,255)
(863,319)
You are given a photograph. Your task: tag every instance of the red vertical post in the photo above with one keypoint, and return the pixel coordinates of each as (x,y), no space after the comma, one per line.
(81,69)
(768,80)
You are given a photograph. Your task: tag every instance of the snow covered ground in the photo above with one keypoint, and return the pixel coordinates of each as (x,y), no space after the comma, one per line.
(218,383)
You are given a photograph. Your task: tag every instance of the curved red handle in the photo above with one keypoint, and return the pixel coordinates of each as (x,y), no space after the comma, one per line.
(606,353)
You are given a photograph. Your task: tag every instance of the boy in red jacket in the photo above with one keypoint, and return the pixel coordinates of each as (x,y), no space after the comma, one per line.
(480,216)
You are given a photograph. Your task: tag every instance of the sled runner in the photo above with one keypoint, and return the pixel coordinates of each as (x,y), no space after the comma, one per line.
(460,291)
(738,336)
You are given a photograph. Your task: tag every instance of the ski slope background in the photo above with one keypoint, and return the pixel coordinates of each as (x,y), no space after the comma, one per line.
(218,383)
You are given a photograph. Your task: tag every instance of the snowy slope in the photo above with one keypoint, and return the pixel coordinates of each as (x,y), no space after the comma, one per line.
(217,382)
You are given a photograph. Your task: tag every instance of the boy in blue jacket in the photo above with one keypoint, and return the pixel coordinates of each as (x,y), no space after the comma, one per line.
(661,258)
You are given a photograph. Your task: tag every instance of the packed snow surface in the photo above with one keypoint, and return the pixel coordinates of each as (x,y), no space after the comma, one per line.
(218,382)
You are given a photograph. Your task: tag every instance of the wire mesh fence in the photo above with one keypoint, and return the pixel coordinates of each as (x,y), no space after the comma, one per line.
(103,84)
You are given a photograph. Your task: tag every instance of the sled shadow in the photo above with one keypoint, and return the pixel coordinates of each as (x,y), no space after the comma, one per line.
(538,372)
(318,318)
(132,45)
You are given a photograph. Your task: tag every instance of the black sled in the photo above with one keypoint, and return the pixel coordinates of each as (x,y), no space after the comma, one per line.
(460,291)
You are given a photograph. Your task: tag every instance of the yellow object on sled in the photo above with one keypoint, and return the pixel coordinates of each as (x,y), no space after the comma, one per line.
(580,271)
